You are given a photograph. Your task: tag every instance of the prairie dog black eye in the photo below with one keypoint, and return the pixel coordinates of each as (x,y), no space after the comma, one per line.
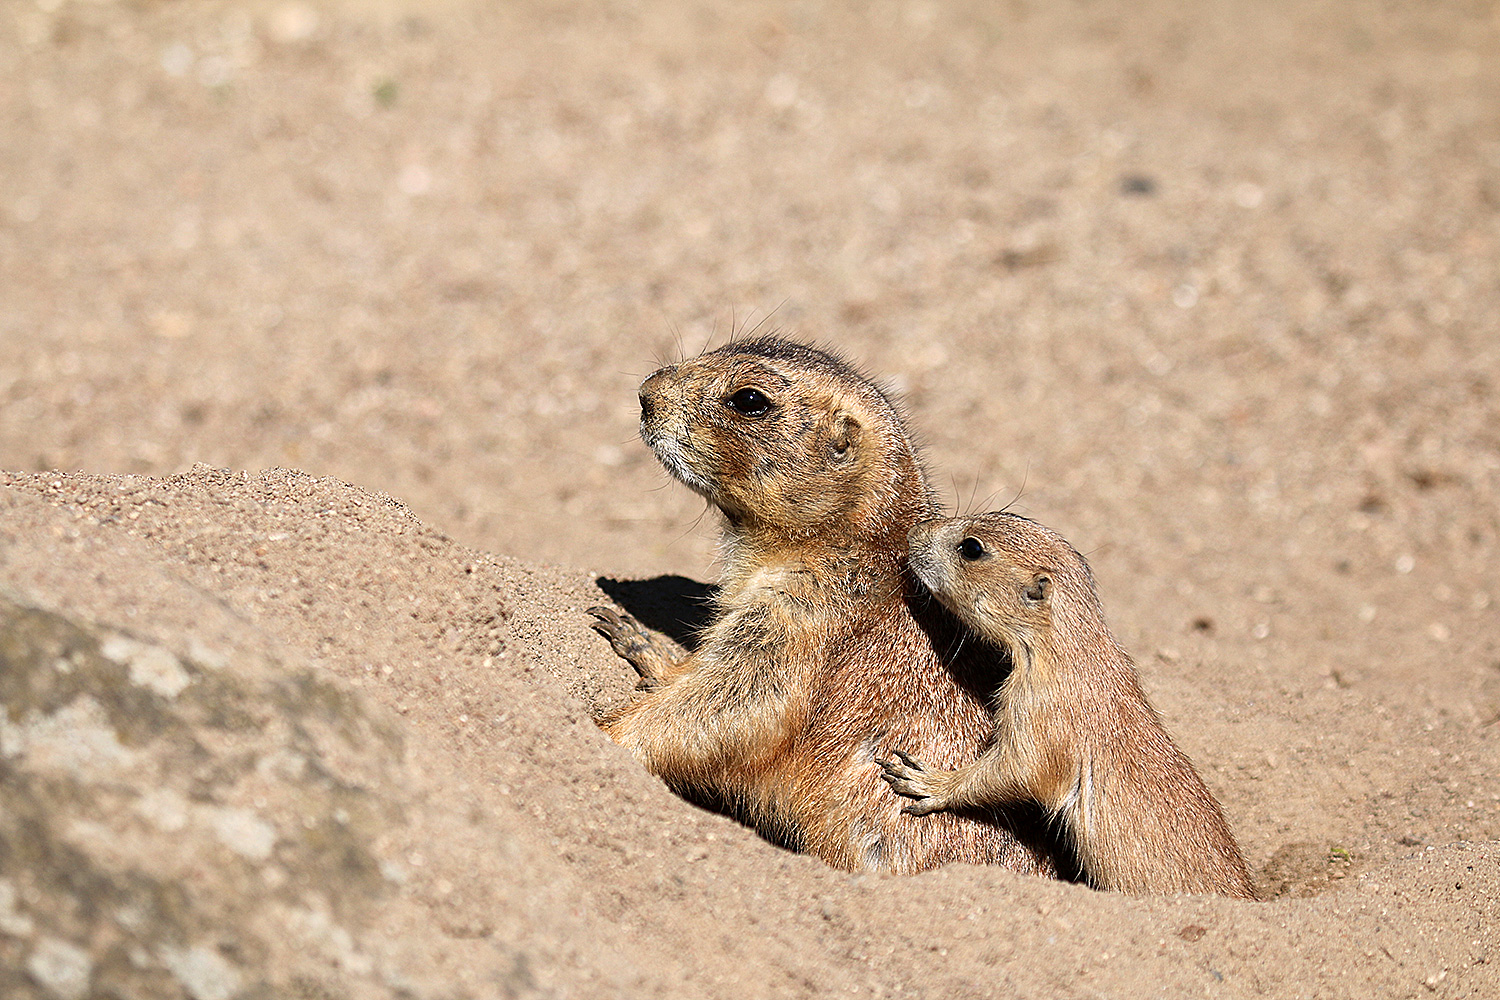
(970,549)
(749,403)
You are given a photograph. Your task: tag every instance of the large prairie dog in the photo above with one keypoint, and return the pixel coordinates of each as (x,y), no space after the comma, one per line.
(816,645)
(1074,731)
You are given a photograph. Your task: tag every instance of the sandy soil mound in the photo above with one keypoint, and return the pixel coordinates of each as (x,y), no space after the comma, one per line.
(1210,288)
(270,731)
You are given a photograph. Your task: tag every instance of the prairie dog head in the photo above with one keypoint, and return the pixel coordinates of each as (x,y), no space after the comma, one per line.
(1010,579)
(782,436)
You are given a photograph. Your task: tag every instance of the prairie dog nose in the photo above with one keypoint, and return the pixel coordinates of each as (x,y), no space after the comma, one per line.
(651,388)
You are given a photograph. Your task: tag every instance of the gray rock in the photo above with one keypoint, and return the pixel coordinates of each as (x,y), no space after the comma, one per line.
(173,829)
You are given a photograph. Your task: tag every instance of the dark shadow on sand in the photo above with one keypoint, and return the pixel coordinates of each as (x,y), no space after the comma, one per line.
(672,605)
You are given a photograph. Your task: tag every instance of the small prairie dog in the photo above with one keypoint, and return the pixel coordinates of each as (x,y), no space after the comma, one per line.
(818,641)
(1073,729)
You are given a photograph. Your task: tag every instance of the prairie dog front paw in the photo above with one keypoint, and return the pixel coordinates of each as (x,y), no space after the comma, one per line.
(909,777)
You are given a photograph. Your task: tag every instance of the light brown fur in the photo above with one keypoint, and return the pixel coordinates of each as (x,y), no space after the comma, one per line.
(815,649)
(1074,731)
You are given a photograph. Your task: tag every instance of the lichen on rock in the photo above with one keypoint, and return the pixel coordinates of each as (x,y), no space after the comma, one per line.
(163,818)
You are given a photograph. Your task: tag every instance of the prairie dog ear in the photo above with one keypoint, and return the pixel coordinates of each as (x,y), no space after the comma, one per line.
(1038,590)
(843,435)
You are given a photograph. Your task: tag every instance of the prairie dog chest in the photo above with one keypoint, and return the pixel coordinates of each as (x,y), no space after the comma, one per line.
(781,580)
(784,609)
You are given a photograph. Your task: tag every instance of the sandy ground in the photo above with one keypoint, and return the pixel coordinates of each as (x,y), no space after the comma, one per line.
(1211,288)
